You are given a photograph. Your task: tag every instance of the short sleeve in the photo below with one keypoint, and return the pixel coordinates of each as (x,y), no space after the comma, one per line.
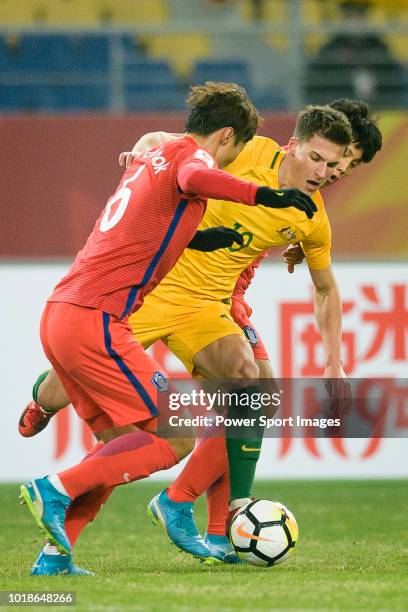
(317,246)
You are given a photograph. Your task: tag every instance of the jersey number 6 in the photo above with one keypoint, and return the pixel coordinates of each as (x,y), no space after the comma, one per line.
(121,197)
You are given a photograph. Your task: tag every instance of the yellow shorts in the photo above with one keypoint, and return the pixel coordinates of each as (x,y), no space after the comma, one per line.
(185,330)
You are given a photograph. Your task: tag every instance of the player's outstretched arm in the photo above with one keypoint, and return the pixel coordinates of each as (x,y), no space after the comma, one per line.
(283,198)
(196,177)
(328,313)
(215,238)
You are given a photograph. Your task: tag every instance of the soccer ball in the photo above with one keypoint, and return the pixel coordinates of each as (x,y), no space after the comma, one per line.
(264,532)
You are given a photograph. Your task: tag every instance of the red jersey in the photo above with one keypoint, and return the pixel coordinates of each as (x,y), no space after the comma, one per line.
(246,276)
(146,225)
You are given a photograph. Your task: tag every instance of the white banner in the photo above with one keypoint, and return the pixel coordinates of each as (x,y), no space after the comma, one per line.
(375,299)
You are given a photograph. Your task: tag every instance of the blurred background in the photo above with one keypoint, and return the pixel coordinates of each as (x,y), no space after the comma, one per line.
(132,55)
(82,80)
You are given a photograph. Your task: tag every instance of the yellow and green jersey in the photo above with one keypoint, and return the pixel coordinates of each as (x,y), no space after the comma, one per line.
(199,277)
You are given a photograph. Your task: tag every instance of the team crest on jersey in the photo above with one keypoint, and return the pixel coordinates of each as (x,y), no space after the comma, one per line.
(288,233)
(250,334)
(160,382)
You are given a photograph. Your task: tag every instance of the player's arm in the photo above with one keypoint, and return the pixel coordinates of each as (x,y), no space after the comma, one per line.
(328,313)
(198,177)
(146,142)
(215,238)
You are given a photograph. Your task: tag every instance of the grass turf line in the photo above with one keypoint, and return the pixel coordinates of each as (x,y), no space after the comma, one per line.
(352,554)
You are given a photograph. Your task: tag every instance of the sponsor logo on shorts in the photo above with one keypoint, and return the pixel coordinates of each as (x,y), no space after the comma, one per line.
(160,382)
(250,334)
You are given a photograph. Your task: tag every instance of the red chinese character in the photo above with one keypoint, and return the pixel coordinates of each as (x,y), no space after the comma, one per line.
(393,322)
(311,339)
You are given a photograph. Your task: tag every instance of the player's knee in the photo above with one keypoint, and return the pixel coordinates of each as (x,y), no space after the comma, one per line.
(182,446)
(46,397)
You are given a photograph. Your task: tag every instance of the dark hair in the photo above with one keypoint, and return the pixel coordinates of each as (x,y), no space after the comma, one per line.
(365,131)
(217,105)
(324,121)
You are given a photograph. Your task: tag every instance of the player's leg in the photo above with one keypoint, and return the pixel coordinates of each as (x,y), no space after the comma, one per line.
(216,536)
(231,357)
(199,328)
(50,562)
(206,471)
(134,456)
(207,468)
(80,513)
(215,348)
(219,492)
(84,508)
(113,383)
(148,325)
(49,396)
(210,345)
(150,459)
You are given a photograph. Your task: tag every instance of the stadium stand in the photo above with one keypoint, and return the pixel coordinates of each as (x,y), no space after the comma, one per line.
(180,50)
(152,85)
(19,13)
(71,12)
(234,71)
(145,53)
(82,12)
(147,11)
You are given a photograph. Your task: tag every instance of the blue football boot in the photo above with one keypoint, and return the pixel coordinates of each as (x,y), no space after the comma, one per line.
(57,565)
(178,520)
(48,507)
(222,549)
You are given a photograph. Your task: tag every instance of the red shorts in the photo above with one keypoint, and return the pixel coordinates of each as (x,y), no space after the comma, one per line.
(240,312)
(109,378)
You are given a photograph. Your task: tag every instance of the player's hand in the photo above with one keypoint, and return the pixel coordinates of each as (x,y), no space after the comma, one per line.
(215,238)
(126,158)
(338,387)
(283,198)
(293,255)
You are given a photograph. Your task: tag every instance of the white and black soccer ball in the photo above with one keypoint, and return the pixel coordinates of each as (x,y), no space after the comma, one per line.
(264,532)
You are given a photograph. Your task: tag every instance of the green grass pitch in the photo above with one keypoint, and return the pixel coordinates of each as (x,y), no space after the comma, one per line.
(352,554)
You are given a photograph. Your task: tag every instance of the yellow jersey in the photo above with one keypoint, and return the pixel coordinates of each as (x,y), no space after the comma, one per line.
(199,276)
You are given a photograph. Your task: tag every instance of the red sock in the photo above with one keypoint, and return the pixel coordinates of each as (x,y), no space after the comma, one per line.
(218,496)
(127,458)
(207,463)
(84,509)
